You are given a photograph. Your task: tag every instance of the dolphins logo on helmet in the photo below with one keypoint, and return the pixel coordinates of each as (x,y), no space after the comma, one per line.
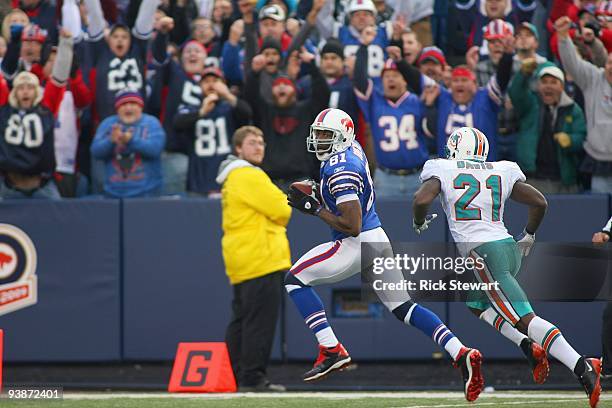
(467,143)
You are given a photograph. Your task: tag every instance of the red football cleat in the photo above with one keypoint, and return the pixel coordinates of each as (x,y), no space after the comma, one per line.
(329,359)
(590,380)
(470,362)
(536,356)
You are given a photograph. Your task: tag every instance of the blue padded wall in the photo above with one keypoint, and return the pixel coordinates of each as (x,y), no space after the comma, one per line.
(77,317)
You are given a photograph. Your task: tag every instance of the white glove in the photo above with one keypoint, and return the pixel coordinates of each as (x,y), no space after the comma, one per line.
(526,243)
(420,228)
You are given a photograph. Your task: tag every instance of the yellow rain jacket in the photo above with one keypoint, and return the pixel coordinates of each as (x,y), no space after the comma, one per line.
(255,216)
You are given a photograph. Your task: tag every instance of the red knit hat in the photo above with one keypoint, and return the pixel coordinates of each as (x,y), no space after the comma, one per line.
(283,79)
(432,53)
(128,96)
(461,72)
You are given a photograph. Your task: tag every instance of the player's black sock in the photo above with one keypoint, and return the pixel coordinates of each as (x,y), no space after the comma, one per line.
(580,367)
(402,311)
(526,346)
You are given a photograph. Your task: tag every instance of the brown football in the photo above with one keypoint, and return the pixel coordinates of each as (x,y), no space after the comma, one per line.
(303,186)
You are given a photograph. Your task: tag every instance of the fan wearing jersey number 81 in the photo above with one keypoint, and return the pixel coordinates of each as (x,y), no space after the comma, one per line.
(210,127)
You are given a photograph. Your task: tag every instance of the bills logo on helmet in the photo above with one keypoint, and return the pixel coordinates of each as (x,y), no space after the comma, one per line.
(18,281)
(348,124)
(322,115)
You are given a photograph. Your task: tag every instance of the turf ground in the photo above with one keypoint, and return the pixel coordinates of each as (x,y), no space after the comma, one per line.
(314,400)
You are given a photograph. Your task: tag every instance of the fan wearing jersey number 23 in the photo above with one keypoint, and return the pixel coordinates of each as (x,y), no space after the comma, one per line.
(347,205)
(473,194)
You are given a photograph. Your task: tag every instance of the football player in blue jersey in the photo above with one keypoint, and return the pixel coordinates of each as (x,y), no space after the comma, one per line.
(347,205)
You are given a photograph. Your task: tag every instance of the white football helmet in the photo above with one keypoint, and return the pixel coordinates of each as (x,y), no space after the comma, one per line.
(342,129)
(467,143)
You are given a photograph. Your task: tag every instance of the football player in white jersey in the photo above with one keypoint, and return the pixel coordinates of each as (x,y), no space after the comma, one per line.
(473,194)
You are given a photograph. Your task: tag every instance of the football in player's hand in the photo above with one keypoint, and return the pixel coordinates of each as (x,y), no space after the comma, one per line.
(309,187)
(305,186)
(303,196)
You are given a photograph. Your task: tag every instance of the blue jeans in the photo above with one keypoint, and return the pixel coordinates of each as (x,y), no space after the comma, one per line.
(98,174)
(391,185)
(601,184)
(174,170)
(48,191)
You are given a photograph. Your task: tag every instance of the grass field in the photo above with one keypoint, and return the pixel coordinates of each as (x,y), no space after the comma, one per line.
(314,400)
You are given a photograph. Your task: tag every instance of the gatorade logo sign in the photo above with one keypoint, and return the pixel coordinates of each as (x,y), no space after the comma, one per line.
(18,283)
(202,367)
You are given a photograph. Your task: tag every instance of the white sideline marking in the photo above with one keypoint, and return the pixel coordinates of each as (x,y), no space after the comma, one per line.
(560,396)
(478,403)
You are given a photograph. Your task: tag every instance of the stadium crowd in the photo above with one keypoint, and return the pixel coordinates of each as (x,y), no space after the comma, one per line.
(118,98)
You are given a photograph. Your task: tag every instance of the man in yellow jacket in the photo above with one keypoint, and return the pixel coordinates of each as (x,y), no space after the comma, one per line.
(256,255)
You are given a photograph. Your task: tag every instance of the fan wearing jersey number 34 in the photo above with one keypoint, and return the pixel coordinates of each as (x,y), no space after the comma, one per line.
(473,194)
(347,204)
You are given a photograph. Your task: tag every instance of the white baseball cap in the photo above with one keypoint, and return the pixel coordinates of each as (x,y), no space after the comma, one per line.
(552,71)
(274,12)
(359,5)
